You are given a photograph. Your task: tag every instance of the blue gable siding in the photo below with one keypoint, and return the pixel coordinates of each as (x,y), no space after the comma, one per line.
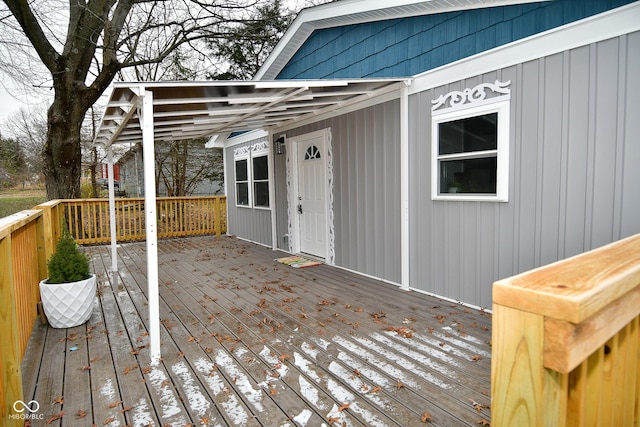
(409,46)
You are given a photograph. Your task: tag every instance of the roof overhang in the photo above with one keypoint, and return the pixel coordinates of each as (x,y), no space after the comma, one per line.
(186,110)
(350,12)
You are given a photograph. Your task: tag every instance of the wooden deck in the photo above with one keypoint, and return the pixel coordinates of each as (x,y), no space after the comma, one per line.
(248,341)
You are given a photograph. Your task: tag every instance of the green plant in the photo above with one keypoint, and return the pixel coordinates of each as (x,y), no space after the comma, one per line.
(67,264)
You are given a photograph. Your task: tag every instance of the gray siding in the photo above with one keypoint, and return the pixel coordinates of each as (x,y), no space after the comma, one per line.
(573,184)
(245,222)
(366,158)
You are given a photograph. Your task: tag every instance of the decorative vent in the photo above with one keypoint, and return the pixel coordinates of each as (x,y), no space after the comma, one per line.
(471,97)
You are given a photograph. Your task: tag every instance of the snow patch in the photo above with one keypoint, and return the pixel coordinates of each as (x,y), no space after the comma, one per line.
(229,402)
(168,400)
(303,417)
(197,401)
(377,361)
(405,363)
(254,396)
(141,414)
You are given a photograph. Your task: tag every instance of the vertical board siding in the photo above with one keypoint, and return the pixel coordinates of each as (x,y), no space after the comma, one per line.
(573,152)
(366,174)
(245,222)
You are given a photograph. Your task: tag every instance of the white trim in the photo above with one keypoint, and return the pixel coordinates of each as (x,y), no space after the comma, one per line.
(470,97)
(404,188)
(292,190)
(243,138)
(272,195)
(614,23)
(153,292)
(239,156)
(502,107)
(112,211)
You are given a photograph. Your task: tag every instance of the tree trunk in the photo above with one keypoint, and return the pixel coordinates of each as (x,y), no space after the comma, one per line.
(62,151)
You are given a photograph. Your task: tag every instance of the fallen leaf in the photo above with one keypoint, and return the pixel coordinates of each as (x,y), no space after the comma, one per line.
(484,422)
(81,413)
(125,409)
(273,392)
(343,407)
(95,359)
(85,368)
(55,417)
(399,385)
(475,358)
(426,417)
(284,357)
(108,421)
(333,420)
(59,400)
(376,389)
(114,404)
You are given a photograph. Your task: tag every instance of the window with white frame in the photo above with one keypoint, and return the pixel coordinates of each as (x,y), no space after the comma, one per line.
(260,181)
(242,182)
(470,151)
(252,175)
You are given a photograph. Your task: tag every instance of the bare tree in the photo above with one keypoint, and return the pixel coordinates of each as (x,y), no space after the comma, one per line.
(83,45)
(30,130)
(182,165)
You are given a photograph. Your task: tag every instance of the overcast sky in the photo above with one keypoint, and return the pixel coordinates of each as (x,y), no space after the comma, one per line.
(11,104)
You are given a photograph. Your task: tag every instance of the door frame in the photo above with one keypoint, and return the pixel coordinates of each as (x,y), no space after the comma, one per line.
(292,191)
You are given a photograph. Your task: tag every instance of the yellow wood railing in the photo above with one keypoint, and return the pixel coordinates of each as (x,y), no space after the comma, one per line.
(566,342)
(28,238)
(23,255)
(88,219)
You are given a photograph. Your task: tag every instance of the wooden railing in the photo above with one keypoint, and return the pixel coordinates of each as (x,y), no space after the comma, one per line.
(28,238)
(23,255)
(88,219)
(566,342)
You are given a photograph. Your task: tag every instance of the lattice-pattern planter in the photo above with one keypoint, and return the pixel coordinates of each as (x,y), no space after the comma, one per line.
(68,304)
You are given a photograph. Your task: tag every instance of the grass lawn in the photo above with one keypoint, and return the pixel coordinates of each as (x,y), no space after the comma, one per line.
(12,201)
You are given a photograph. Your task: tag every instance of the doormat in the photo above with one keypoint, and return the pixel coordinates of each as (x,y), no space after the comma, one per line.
(297,262)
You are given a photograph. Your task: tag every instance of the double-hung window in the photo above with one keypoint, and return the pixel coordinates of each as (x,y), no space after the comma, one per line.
(470,152)
(260,181)
(251,165)
(242,182)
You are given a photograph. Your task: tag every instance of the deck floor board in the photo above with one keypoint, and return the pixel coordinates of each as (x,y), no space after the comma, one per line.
(249,341)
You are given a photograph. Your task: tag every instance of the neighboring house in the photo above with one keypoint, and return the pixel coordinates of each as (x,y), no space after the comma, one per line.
(131,166)
(513,145)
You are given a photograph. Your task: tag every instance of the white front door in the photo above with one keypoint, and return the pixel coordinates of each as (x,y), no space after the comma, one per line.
(311,200)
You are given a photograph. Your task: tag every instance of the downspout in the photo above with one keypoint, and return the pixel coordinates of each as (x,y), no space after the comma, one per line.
(148,157)
(404,185)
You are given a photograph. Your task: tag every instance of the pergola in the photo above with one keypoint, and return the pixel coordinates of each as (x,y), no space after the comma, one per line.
(145,112)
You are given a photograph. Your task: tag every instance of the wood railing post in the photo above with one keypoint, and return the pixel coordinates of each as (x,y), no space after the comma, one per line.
(216,216)
(565,342)
(10,357)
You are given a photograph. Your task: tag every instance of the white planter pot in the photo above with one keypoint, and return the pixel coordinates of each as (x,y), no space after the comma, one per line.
(68,304)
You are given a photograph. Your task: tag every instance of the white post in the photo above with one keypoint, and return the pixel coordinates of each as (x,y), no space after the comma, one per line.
(404,186)
(151,225)
(112,211)
(272,191)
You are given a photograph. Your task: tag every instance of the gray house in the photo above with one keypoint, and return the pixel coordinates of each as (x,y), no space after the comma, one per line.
(510,141)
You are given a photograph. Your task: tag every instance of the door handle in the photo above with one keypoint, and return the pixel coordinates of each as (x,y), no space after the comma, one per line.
(300,209)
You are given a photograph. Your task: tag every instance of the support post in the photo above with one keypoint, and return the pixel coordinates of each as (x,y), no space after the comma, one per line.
(404,186)
(112,211)
(151,226)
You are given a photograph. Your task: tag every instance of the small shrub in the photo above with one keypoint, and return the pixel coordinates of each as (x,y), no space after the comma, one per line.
(67,264)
